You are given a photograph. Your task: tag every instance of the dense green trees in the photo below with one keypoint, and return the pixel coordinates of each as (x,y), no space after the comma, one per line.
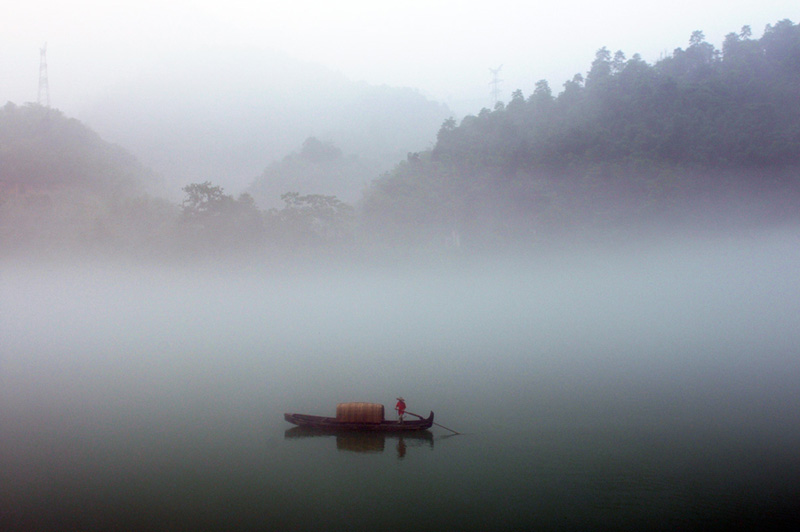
(312,220)
(698,107)
(213,220)
(628,143)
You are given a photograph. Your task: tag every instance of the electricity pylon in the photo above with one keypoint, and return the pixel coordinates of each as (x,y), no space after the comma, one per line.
(495,83)
(44,88)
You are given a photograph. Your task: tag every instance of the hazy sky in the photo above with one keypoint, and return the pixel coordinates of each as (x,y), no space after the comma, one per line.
(443,48)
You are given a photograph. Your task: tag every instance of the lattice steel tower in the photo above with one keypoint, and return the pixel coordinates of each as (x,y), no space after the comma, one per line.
(44,88)
(495,83)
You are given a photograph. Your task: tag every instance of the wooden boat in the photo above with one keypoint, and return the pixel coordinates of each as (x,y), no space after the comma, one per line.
(359,417)
(331,423)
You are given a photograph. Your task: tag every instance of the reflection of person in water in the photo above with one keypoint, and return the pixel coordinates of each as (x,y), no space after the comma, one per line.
(401,408)
(401,448)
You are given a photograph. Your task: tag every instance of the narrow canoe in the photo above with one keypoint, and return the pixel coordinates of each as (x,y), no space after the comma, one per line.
(330,423)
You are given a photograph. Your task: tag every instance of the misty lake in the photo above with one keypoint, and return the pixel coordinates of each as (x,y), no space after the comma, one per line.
(652,387)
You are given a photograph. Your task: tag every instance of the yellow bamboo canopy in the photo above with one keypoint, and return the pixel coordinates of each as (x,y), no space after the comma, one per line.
(359,412)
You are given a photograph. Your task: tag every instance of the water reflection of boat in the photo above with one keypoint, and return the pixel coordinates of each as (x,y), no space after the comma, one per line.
(365,442)
(366,417)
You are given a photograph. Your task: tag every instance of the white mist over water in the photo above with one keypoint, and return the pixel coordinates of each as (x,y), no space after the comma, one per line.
(672,354)
(105,332)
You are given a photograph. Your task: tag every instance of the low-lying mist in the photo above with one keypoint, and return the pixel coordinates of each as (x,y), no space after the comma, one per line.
(715,318)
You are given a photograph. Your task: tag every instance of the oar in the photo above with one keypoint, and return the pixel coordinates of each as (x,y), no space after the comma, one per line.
(419,416)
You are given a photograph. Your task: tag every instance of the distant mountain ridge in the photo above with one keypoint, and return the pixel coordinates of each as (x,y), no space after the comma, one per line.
(224,115)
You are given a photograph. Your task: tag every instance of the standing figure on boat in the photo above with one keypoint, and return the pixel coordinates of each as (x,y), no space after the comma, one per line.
(401,408)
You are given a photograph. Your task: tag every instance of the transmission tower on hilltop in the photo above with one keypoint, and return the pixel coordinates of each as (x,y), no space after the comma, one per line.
(44,88)
(495,83)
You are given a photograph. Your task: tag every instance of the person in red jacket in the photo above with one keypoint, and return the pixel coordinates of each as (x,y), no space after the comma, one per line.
(401,408)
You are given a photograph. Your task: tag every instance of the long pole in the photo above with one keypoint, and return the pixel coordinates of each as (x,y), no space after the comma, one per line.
(435,423)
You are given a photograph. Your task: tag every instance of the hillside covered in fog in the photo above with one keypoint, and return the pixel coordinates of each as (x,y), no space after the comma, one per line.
(629,144)
(317,167)
(62,187)
(704,138)
(42,148)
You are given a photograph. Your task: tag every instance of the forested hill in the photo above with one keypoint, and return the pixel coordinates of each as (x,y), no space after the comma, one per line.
(63,187)
(42,149)
(629,141)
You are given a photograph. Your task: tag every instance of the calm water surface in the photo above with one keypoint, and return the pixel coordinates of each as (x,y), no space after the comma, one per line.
(653,389)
